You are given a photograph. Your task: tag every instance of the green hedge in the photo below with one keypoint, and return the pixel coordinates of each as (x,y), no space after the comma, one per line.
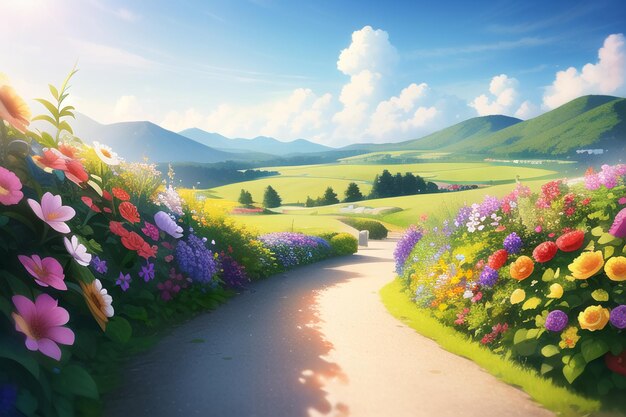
(344,244)
(377,230)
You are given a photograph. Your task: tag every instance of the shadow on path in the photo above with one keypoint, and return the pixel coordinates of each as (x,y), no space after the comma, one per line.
(259,355)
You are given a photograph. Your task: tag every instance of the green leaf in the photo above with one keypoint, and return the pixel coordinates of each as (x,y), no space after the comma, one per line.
(608,239)
(531,303)
(54,91)
(550,350)
(27,403)
(76,380)
(608,252)
(135,313)
(17,285)
(600,295)
(20,355)
(574,368)
(82,273)
(593,349)
(64,407)
(46,140)
(605,386)
(548,275)
(119,330)
(64,125)
(597,231)
(545,368)
(52,109)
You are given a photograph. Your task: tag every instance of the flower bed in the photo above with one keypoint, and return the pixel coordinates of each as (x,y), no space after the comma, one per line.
(537,277)
(97,254)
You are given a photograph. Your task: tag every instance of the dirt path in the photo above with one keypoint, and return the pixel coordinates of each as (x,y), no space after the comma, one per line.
(313,342)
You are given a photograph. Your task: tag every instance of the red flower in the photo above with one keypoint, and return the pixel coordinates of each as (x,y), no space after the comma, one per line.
(571,241)
(616,363)
(68,150)
(89,203)
(120,194)
(118,229)
(107,210)
(498,259)
(50,159)
(545,251)
(75,172)
(129,212)
(132,241)
(107,195)
(147,251)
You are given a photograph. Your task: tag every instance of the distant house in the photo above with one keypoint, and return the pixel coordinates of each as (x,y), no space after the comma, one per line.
(590,151)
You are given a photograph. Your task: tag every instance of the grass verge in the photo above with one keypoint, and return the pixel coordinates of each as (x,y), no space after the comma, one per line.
(553,397)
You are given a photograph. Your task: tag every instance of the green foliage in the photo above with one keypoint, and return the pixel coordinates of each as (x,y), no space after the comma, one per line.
(329,197)
(245,198)
(271,198)
(344,244)
(353,193)
(377,230)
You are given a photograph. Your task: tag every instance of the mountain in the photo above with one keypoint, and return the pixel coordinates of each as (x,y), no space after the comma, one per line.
(139,140)
(584,123)
(262,144)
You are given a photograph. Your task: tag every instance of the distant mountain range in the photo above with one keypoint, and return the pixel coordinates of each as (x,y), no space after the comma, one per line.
(262,144)
(588,122)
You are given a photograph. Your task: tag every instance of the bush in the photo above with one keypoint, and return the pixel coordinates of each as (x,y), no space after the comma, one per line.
(344,244)
(293,249)
(377,230)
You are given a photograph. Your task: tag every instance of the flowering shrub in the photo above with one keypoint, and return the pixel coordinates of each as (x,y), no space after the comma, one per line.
(94,250)
(293,249)
(534,276)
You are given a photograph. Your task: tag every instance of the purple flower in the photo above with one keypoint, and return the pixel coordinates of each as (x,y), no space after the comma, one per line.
(168,225)
(513,243)
(292,249)
(556,321)
(233,274)
(618,229)
(100,266)
(123,281)
(147,272)
(405,246)
(195,260)
(618,317)
(488,277)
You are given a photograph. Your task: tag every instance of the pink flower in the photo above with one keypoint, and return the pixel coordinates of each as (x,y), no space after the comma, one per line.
(538,229)
(150,231)
(618,229)
(47,271)
(622,200)
(42,323)
(10,188)
(53,212)
(77,250)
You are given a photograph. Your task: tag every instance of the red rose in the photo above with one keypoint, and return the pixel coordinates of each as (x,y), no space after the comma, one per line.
(120,194)
(132,241)
(571,241)
(498,259)
(75,172)
(118,229)
(129,212)
(147,251)
(545,251)
(616,363)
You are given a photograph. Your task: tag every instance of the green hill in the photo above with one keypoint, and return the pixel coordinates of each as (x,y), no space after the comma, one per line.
(586,122)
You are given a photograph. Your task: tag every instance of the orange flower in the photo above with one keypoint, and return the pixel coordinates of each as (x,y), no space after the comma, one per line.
(522,268)
(120,194)
(593,318)
(615,268)
(586,265)
(13,109)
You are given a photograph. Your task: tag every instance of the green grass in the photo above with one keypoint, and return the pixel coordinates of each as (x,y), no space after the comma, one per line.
(310,224)
(553,397)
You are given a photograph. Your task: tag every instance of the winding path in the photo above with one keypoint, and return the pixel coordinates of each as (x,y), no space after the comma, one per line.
(312,342)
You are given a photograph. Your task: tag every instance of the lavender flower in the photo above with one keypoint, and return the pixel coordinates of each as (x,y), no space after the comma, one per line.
(513,243)
(618,317)
(195,260)
(147,272)
(123,281)
(556,321)
(233,274)
(100,266)
(488,277)
(404,247)
(168,225)
(292,249)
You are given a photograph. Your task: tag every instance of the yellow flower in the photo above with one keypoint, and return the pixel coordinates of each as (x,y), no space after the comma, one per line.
(556,291)
(587,264)
(517,296)
(615,268)
(593,318)
(443,306)
(13,108)
(569,338)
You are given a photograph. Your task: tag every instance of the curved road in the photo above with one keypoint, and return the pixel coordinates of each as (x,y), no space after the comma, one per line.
(315,341)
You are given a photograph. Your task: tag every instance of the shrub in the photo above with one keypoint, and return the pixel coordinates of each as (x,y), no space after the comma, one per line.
(377,230)
(293,249)
(344,244)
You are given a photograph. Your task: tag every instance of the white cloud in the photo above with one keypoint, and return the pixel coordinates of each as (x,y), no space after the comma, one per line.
(370,50)
(177,121)
(604,77)
(399,113)
(527,110)
(504,97)
(128,108)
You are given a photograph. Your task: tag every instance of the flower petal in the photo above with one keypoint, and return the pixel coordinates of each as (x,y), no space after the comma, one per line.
(49,348)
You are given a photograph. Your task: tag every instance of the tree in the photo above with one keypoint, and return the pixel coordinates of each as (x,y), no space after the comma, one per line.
(271,198)
(431,187)
(397,185)
(409,184)
(353,193)
(245,198)
(383,185)
(330,197)
(309,202)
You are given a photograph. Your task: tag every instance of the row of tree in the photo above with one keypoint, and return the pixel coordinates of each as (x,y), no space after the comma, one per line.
(271,198)
(352,193)
(388,185)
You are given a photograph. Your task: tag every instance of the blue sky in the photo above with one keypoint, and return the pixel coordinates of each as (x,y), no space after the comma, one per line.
(333,71)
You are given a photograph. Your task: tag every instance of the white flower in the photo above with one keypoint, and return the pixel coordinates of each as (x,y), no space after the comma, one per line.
(107,300)
(169,226)
(106,154)
(77,250)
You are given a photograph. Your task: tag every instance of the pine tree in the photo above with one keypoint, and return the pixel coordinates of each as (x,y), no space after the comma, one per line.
(353,193)
(409,184)
(271,198)
(245,198)
(330,197)
(385,184)
(309,202)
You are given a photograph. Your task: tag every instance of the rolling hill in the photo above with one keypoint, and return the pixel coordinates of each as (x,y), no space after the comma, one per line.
(139,140)
(261,144)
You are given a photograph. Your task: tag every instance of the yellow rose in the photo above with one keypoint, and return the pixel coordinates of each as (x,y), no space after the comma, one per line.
(517,296)
(556,291)
(587,264)
(593,318)
(615,268)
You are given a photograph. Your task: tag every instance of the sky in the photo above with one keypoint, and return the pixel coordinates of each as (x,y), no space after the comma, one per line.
(334,72)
